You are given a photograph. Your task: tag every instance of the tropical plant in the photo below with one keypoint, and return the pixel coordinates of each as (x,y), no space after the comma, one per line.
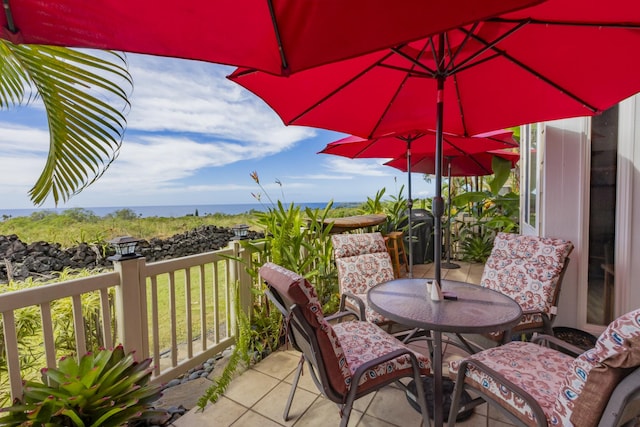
(485,213)
(108,388)
(395,209)
(78,90)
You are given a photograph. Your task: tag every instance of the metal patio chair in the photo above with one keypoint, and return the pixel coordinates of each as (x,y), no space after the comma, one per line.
(535,385)
(530,270)
(347,360)
(362,261)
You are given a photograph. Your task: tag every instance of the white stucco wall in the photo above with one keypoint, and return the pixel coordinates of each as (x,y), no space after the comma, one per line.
(561,210)
(564,210)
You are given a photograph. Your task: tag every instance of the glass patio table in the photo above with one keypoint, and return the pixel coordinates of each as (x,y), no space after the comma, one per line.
(476,310)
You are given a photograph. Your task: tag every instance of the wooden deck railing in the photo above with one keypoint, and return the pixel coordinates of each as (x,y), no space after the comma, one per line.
(178,311)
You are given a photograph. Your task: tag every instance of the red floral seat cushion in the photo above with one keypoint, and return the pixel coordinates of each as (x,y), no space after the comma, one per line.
(527,268)
(364,341)
(362,262)
(300,292)
(344,346)
(538,370)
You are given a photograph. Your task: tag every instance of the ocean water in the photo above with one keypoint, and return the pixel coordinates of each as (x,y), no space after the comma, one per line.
(169,211)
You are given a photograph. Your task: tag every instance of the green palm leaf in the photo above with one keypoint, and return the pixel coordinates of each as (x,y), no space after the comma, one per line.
(79,91)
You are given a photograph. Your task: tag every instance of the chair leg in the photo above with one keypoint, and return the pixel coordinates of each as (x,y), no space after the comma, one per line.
(422,396)
(345,411)
(457,395)
(296,378)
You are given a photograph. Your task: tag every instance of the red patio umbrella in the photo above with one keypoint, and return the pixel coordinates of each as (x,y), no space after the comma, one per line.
(562,58)
(277,36)
(423,143)
(468,164)
(464,164)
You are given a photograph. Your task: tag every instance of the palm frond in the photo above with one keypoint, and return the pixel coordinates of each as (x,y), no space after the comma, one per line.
(85,98)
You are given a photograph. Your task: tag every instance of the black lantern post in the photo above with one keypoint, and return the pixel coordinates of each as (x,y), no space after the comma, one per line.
(125,248)
(240,231)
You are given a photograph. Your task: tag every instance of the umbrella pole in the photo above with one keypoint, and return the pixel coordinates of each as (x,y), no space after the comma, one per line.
(410,208)
(448,264)
(438,203)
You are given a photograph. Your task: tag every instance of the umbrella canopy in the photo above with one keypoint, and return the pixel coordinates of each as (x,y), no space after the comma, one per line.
(463,164)
(468,164)
(422,143)
(559,59)
(277,36)
(562,58)
(394,145)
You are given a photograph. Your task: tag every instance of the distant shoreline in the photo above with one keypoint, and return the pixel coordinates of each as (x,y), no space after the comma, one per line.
(172,211)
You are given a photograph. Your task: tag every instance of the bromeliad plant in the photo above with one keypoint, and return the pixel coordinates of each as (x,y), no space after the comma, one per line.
(108,388)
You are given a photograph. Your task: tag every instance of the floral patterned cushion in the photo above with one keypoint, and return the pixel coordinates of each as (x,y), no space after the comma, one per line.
(344,346)
(362,262)
(297,290)
(538,370)
(364,341)
(589,383)
(527,268)
(348,245)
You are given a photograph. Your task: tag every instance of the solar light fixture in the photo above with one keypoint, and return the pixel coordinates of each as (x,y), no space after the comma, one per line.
(125,247)
(240,231)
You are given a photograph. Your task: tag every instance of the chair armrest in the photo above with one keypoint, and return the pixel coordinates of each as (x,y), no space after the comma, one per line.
(340,314)
(361,313)
(545,340)
(541,418)
(362,369)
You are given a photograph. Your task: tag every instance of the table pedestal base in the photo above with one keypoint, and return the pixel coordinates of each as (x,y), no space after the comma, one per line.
(447,389)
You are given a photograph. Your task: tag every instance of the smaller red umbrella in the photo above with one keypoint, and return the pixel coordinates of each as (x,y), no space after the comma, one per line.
(394,145)
(420,142)
(476,164)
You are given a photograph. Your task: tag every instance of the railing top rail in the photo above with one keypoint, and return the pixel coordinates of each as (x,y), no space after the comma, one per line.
(165,266)
(46,293)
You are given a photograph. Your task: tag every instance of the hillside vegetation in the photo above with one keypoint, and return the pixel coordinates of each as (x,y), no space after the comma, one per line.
(74,226)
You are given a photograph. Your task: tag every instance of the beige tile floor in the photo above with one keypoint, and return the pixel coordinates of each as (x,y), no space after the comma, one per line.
(257,397)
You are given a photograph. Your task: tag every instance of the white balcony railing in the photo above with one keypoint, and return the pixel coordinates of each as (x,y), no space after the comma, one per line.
(178,311)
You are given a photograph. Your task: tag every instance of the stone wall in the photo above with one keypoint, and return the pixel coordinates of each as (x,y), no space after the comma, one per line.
(41,260)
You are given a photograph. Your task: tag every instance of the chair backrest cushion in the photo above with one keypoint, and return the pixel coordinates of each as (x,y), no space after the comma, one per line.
(295,289)
(348,245)
(362,261)
(528,269)
(595,373)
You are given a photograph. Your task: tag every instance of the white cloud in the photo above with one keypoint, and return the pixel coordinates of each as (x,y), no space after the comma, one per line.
(19,138)
(184,117)
(359,167)
(195,97)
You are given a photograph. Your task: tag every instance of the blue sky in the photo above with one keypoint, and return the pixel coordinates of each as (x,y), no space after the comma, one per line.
(193,137)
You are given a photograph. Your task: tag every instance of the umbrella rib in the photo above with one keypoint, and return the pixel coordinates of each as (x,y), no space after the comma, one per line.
(339,88)
(274,21)
(414,61)
(460,106)
(11,26)
(613,25)
(488,46)
(404,80)
(536,74)
(453,57)
(415,73)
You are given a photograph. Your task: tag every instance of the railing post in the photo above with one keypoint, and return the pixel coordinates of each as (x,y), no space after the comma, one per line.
(131,312)
(244,279)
